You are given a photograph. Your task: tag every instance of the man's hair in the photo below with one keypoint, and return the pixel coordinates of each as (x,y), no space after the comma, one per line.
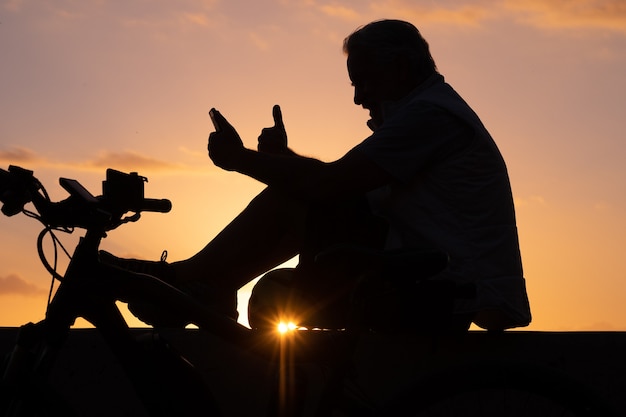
(388,39)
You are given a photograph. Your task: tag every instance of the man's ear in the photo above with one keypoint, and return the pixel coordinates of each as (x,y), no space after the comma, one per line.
(402,67)
(404,70)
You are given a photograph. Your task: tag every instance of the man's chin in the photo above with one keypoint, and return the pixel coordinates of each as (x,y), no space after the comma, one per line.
(374,122)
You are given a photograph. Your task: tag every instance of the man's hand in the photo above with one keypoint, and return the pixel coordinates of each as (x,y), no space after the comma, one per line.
(225,146)
(274,139)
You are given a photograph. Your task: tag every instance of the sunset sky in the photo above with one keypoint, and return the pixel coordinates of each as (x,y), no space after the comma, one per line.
(91,84)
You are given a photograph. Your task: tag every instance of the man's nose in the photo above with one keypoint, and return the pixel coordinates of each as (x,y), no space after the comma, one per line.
(358,96)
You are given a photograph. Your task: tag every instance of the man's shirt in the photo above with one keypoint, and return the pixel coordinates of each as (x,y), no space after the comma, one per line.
(451,192)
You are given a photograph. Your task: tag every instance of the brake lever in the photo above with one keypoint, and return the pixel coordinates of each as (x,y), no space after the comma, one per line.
(129,219)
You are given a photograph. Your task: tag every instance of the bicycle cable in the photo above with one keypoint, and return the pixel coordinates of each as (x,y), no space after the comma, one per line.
(56,242)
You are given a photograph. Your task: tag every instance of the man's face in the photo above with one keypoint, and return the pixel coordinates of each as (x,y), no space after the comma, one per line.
(375,83)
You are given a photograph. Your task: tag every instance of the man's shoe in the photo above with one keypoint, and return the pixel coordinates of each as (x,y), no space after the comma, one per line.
(159,269)
(145,311)
(156,315)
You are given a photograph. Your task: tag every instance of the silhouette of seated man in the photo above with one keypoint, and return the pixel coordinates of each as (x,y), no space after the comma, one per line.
(429,176)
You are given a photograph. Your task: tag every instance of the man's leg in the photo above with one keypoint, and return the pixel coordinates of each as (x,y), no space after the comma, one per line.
(313,294)
(266,233)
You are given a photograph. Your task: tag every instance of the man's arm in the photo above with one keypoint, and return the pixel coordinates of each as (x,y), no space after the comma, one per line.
(303,177)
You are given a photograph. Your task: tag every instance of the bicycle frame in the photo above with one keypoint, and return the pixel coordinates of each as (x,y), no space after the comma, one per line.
(90,289)
(166,383)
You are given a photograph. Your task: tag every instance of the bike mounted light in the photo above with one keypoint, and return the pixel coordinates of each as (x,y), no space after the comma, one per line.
(124,191)
(16,185)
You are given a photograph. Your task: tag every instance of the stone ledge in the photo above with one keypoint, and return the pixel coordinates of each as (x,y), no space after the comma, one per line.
(89,376)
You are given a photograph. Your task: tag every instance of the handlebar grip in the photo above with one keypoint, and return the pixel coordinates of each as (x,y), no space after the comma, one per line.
(161,205)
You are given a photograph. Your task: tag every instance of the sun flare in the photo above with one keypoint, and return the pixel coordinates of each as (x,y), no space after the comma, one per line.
(284,327)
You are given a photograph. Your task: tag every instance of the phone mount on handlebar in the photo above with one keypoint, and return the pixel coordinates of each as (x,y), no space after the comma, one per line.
(76,189)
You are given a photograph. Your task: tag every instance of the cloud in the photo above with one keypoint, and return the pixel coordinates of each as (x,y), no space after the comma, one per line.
(163,16)
(199,19)
(14,285)
(533,200)
(125,161)
(130,160)
(193,152)
(258,41)
(13,5)
(468,13)
(541,14)
(18,154)
(156,16)
(580,14)
(175,20)
(339,11)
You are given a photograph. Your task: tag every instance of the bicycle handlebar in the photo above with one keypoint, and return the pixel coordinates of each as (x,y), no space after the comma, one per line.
(122,193)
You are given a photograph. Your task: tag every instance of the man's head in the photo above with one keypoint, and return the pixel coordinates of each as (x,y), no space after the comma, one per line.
(386,60)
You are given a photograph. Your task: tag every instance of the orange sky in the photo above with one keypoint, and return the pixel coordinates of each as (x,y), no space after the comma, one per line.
(89,85)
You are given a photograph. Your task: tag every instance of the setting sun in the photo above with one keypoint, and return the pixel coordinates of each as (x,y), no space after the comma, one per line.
(284,327)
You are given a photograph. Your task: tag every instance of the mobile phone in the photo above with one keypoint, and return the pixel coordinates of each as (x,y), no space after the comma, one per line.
(212,114)
(77,190)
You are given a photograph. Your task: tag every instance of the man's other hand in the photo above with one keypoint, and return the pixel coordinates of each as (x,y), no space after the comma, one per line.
(274,139)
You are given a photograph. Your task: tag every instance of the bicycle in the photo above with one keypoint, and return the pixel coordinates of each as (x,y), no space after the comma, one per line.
(316,372)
